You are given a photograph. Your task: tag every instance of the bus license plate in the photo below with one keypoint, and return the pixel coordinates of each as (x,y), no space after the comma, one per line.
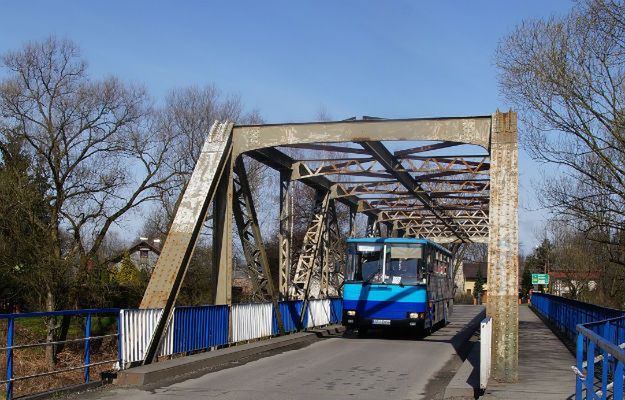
(381,322)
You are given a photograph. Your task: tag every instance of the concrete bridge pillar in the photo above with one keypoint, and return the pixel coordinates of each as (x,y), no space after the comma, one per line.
(503,264)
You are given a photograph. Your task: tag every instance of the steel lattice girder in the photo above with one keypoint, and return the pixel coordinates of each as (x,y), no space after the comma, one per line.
(424,168)
(251,239)
(307,270)
(284,235)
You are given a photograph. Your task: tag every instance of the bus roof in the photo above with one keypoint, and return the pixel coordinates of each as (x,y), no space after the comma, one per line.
(398,240)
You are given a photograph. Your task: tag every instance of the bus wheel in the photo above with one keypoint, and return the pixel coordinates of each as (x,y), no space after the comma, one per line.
(429,329)
(362,332)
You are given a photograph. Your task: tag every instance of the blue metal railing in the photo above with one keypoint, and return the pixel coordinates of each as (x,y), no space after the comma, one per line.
(86,365)
(566,314)
(599,333)
(290,312)
(336,310)
(603,343)
(200,327)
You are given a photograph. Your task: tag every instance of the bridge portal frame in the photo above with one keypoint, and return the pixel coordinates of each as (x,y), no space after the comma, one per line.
(496,133)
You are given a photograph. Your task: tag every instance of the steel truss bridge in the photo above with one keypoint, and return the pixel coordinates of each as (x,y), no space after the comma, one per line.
(451,180)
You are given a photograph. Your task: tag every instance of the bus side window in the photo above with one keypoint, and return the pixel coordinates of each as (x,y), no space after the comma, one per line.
(430,259)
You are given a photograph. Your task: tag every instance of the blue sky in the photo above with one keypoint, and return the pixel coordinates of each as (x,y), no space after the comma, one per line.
(287,59)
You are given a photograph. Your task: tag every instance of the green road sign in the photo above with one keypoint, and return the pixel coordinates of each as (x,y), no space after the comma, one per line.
(540,279)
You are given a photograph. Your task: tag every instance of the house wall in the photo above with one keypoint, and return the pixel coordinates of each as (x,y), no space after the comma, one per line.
(147,264)
(469,284)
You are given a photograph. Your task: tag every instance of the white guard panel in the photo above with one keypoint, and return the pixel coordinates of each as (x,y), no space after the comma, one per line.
(318,313)
(486,337)
(137,327)
(251,321)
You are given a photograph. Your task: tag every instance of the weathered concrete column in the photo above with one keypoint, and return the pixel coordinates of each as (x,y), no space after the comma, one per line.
(503,247)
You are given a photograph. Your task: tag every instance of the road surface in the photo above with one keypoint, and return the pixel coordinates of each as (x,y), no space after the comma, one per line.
(380,366)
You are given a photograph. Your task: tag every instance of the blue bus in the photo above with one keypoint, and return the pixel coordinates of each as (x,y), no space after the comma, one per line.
(397,283)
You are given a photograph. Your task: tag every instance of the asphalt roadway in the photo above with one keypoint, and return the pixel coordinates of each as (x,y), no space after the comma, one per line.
(380,366)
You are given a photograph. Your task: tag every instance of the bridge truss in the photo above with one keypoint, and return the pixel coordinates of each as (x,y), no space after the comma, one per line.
(451,180)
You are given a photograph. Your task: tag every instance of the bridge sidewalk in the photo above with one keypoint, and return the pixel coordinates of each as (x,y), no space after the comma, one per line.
(544,364)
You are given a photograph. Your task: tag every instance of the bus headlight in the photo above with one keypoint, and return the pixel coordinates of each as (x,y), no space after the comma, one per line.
(413,315)
(351,313)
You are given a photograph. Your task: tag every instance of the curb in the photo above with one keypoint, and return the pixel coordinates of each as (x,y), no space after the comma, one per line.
(466,382)
(177,368)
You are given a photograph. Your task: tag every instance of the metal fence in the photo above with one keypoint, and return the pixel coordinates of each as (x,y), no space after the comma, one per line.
(86,317)
(566,314)
(600,359)
(599,333)
(200,328)
(318,313)
(291,312)
(136,329)
(251,321)
(336,310)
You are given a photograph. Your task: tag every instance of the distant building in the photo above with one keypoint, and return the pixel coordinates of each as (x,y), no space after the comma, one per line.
(470,277)
(142,254)
(564,282)
(242,286)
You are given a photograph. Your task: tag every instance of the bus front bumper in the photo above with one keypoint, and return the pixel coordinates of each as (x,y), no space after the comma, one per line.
(355,322)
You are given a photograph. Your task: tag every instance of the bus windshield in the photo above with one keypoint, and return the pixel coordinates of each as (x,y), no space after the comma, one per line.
(365,262)
(396,263)
(404,264)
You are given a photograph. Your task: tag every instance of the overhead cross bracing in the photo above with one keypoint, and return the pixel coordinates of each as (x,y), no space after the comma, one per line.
(444,197)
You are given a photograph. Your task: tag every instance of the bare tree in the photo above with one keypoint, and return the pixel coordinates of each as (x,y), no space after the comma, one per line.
(97,144)
(188,115)
(567,78)
(575,259)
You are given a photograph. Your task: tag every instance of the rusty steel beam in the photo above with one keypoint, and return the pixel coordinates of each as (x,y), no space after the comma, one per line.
(284,234)
(171,267)
(503,247)
(423,149)
(333,255)
(373,227)
(328,148)
(449,160)
(396,188)
(427,169)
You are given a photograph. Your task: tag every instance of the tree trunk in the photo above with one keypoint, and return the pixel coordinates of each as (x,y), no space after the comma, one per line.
(50,325)
(65,322)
